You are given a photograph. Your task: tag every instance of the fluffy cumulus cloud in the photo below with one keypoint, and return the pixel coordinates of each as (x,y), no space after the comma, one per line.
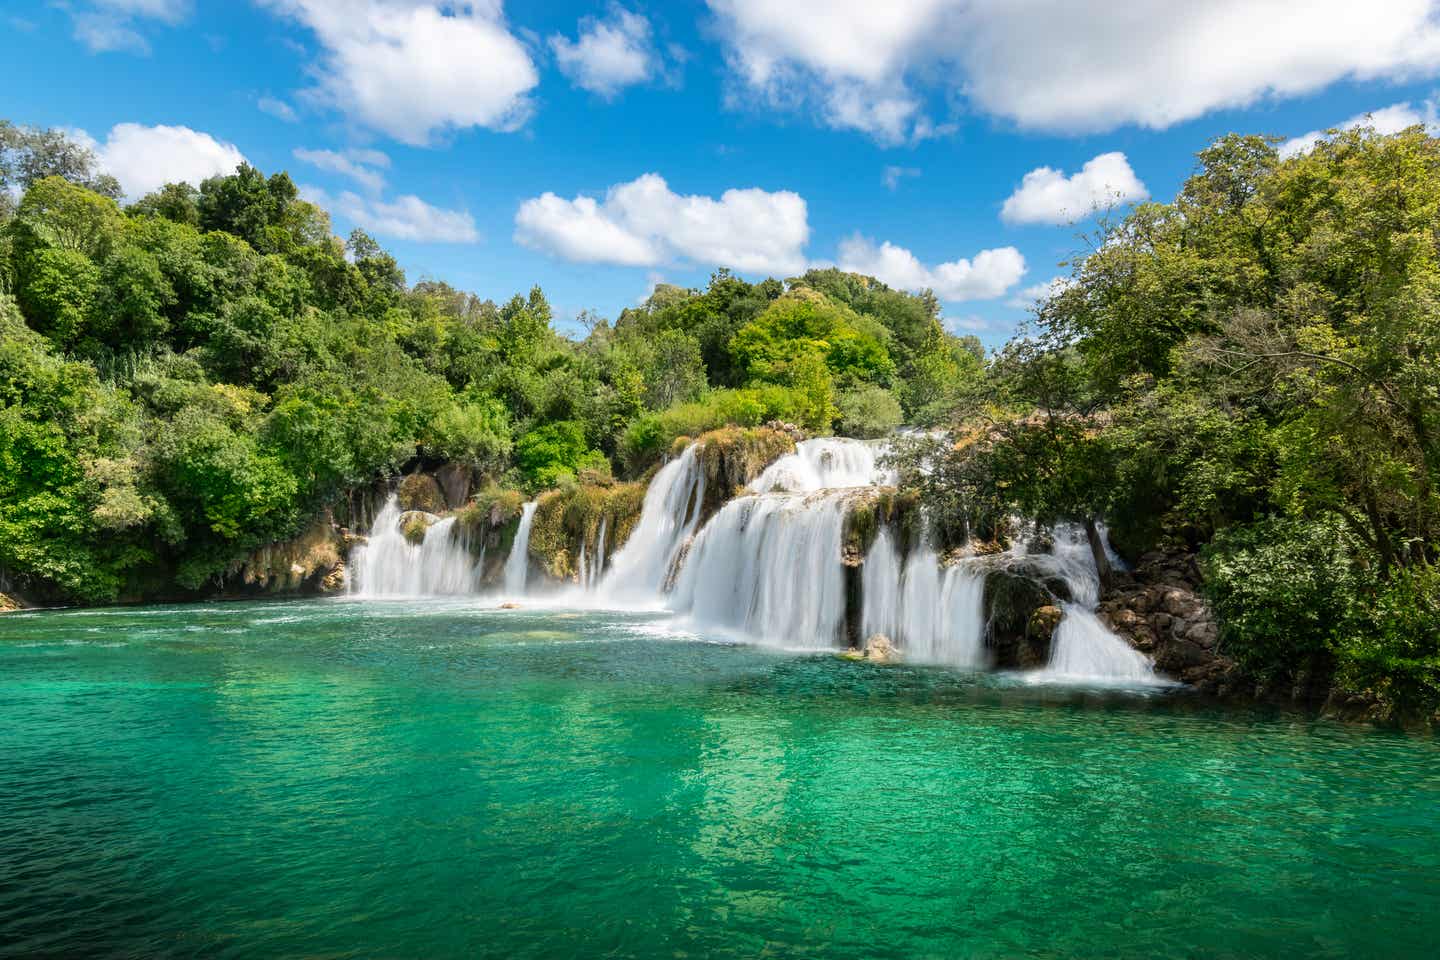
(987,275)
(1063,65)
(847,58)
(1391,119)
(415,70)
(1046,195)
(406,217)
(146,158)
(106,25)
(608,55)
(644,223)
(365,167)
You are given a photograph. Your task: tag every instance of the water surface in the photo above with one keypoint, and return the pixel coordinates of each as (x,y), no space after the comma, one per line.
(343,778)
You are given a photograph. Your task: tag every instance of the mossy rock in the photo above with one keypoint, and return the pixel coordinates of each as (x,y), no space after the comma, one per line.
(420,491)
(569,519)
(491,508)
(732,457)
(1012,600)
(414,523)
(874,509)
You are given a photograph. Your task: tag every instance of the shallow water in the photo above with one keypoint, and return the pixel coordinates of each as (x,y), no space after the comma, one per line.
(345,778)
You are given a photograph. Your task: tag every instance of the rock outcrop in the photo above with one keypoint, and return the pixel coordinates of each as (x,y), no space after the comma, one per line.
(312,562)
(420,491)
(1159,609)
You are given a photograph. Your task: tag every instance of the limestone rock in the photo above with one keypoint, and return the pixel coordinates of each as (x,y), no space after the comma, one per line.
(336,580)
(294,565)
(419,491)
(879,649)
(455,481)
(1043,621)
(414,523)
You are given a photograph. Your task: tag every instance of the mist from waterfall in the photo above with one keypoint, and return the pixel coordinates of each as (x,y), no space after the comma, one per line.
(389,565)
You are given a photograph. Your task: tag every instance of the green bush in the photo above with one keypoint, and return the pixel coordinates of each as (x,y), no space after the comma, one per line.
(868,411)
(1281,588)
(1390,651)
(554,454)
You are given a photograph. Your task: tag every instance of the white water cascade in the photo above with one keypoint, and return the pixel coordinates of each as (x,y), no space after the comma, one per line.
(671,511)
(517,565)
(768,565)
(389,565)
(1082,648)
(934,615)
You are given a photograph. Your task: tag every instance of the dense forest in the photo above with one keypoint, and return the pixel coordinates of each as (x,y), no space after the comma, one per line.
(1250,374)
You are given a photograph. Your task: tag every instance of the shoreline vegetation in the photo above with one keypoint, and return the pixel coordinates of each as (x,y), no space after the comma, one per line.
(204,392)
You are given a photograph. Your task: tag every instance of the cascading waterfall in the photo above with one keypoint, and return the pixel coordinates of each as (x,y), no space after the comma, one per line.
(1082,648)
(768,565)
(517,565)
(389,565)
(933,615)
(671,511)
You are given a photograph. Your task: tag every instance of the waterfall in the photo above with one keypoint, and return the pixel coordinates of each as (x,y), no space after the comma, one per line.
(769,564)
(932,615)
(769,567)
(389,565)
(598,568)
(669,515)
(1082,648)
(517,565)
(825,463)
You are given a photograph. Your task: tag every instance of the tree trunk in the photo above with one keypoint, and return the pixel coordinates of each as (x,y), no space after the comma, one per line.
(1097,550)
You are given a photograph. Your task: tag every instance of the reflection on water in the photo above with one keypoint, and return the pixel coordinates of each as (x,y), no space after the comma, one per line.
(436,779)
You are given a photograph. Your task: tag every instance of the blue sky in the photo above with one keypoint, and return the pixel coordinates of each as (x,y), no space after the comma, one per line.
(597,148)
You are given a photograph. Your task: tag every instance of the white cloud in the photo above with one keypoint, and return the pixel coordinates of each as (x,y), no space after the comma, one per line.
(608,55)
(277,108)
(405,217)
(1046,195)
(892,175)
(146,158)
(984,277)
(847,57)
(1063,65)
(414,70)
(645,223)
(110,25)
(1032,296)
(359,165)
(970,323)
(1387,120)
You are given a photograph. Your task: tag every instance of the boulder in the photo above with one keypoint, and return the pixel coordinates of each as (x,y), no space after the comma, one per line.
(300,564)
(455,481)
(879,649)
(414,523)
(419,491)
(1043,621)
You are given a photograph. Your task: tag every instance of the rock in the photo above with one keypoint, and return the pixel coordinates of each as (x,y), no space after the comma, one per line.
(419,491)
(414,523)
(335,581)
(9,603)
(509,605)
(1177,603)
(879,649)
(850,653)
(1043,622)
(455,481)
(295,565)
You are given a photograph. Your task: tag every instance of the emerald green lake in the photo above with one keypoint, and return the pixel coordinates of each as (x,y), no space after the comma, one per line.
(351,779)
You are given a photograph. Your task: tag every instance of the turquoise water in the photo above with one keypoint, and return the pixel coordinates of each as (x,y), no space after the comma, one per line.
(338,779)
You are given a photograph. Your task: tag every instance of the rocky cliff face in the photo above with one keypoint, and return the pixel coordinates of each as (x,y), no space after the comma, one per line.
(313,562)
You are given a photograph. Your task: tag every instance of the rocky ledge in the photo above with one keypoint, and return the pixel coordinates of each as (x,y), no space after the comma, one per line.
(1159,609)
